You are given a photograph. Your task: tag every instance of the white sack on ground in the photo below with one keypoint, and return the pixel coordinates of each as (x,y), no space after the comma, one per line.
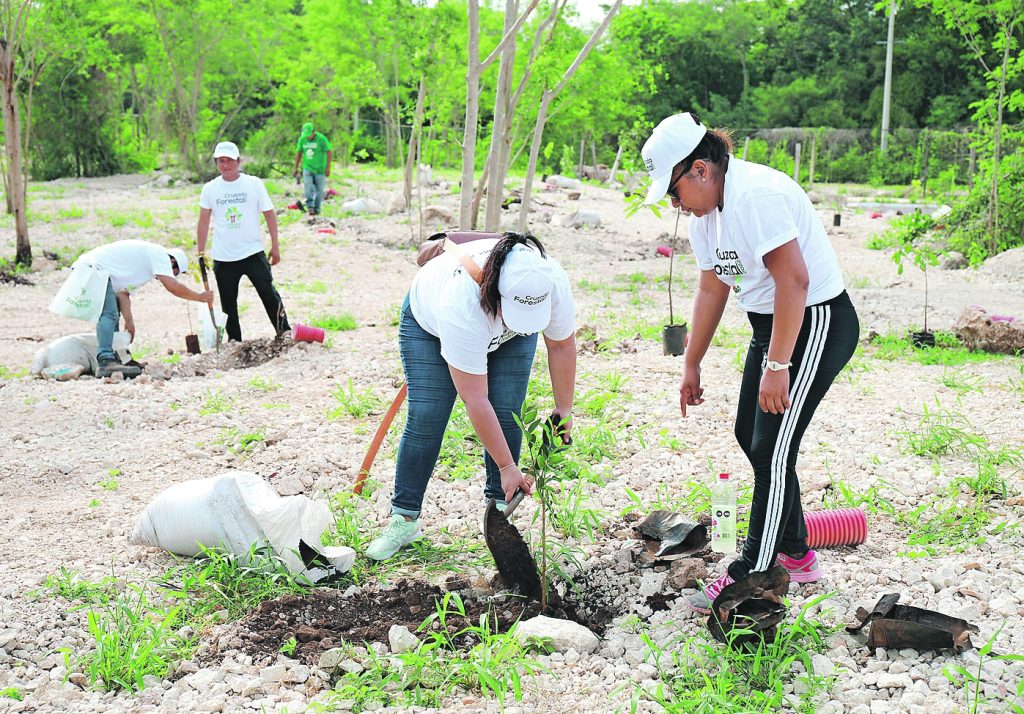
(77,349)
(233,511)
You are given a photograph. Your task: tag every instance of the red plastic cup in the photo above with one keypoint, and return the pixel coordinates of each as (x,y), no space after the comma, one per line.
(305,333)
(841,526)
(665,251)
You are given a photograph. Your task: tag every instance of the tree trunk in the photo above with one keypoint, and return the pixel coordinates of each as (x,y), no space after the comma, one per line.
(500,126)
(997,146)
(615,166)
(467,216)
(414,140)
(473,72)
(12,138)
(542,112)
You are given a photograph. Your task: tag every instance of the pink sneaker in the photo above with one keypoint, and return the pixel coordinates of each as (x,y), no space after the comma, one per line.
(702,599)
(802,570)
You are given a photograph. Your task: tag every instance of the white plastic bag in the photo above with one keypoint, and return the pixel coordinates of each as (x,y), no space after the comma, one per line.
(207,332)
(235,511)
(82,294)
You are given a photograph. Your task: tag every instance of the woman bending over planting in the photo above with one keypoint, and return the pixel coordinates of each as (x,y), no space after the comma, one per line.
(469,328)
(755,233)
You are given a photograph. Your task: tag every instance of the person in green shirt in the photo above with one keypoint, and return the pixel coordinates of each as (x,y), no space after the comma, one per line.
(314,150)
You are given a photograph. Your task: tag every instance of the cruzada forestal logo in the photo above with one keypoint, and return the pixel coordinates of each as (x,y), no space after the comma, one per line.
(233,216)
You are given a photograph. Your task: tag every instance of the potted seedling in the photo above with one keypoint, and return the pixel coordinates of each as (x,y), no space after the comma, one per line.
(673,336)
(916,245)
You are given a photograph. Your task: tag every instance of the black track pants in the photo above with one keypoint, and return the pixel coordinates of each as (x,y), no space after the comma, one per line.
(257,268)
(827,340)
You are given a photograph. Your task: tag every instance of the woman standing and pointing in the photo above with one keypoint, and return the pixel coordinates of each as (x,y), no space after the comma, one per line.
(755,233)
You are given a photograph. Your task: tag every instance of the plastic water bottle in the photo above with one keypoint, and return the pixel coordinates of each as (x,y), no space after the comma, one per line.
(723,515)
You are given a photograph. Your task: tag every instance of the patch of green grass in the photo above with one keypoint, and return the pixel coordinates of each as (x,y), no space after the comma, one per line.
(335,323)
(354,403)
(134,637)
(700,676)
(264,384)
(216,403)
(171,359)
(947,350)
(11,693)
(137,630)
(72,212)
(94,503)
(236,442)
(9,373)
(110,483)
(142,218)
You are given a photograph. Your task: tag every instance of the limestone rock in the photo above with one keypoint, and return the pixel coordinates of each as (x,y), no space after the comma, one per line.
(401,640)
(562,635)
(438,214)
(685,572)
(990,333)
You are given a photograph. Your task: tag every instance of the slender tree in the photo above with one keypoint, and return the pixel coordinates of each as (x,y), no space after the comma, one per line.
(545,102)
(474,69)
(14,16)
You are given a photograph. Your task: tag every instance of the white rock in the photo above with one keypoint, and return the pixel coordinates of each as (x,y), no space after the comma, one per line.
(274,673)
(332,658)
(651,583)
(942,578)
(401,640)
(887,680)
(562,634)
(563,181)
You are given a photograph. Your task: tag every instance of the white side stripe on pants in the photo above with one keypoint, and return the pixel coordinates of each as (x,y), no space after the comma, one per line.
(821,316)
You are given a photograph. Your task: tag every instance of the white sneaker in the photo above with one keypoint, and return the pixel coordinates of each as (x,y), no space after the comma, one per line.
(395,536)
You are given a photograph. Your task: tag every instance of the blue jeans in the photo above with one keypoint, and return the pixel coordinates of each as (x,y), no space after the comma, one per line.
(106,326)
(313,185)
(431,398)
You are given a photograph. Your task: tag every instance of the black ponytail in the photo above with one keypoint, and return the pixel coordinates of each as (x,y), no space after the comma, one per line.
(490,298)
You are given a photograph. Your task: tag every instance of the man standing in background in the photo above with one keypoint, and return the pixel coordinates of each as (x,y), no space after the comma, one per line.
(314,150)
(234,201)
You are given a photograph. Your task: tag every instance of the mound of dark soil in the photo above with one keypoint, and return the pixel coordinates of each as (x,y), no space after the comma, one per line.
(325,618)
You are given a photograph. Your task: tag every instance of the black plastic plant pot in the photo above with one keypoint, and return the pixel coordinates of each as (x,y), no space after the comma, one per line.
(673,339)
(837,218)
(192,344)
(922,339)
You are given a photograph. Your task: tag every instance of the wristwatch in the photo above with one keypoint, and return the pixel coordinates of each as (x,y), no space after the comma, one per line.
(777,366)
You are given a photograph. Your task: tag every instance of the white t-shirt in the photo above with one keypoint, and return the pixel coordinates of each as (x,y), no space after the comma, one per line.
(236,207)
(130,263)
(445,300)
(763,210)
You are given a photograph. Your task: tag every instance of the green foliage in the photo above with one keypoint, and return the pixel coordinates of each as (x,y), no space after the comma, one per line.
(913,244)
(133,638)
(971,680)
(699,676)
(11,693)
(354,403)
(335,323)
(968,231)
(493,667)
(216,403)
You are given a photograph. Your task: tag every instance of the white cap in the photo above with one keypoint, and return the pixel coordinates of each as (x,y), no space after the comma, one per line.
(180,258)
(226,148)
(525,285)
(673,140)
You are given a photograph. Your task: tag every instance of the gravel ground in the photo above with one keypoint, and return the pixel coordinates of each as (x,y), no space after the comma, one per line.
(63,438)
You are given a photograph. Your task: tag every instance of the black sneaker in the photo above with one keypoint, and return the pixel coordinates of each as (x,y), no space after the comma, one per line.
(109,367)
